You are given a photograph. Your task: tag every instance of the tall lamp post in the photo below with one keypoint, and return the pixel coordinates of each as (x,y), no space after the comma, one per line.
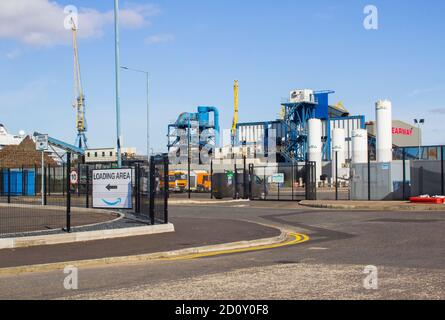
(148,105)
(117,69)
(419,123)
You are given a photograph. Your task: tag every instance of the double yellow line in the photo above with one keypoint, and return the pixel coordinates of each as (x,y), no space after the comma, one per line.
(292,239)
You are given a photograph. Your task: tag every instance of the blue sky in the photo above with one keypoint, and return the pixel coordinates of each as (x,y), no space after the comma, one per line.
(195,49)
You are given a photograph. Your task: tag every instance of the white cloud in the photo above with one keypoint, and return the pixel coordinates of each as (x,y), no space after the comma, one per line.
(159,38)
(41,22)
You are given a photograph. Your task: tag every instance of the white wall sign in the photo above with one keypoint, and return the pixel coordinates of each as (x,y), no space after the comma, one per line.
(278,178)
(112,189)
(42,142)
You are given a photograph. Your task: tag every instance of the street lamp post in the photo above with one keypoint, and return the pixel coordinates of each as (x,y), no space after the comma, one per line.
(117,64)
(419,123)
(147,75)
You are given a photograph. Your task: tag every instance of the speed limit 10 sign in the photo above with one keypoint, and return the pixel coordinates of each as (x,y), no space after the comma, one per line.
(74,177)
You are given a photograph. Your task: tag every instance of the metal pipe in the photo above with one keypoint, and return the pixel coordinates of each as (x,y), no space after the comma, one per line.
(442,171)
(336,175)
(404,174)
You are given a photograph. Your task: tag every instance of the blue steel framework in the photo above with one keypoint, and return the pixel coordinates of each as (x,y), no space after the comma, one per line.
(295,123)
(203,119)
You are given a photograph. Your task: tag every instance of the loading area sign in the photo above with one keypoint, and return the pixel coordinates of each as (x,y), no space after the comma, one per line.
(112,189)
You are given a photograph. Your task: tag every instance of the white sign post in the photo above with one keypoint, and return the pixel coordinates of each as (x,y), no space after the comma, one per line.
(42,145)
(112,189)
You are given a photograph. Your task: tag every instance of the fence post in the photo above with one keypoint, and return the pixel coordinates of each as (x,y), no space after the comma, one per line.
(48,170)
(78,174)
(293,179)
(166,189)
(87,187)
(152,190)
(211,179)
(9,185)
(45,188)
(264,183)
(245,196)
(63,179)
(235,181)
(251,179)
(68,192)
(307,177)
(404,174)
(369,175)
(35,179)
(138,190)
(442,171)
(23,182)
(336,175)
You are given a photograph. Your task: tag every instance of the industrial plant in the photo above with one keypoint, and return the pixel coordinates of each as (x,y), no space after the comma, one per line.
(310,129)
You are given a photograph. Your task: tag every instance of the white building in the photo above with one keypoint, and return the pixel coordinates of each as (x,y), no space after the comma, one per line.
(108,155)
(7,139)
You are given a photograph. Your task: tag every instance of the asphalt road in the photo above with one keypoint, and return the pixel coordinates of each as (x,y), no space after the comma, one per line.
(408,249)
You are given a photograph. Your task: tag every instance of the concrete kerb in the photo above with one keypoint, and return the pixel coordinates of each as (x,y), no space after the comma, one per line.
(21,242)
(372,207)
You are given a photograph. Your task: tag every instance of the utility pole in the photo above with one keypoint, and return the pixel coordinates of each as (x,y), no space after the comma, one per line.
(117,69)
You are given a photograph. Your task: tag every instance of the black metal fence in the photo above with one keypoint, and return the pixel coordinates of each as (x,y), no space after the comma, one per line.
(289,182)
(42,199)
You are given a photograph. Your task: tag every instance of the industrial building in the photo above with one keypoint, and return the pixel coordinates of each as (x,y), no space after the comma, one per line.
(108,156)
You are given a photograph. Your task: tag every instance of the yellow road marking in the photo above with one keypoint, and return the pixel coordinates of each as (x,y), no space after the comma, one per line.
(296,238)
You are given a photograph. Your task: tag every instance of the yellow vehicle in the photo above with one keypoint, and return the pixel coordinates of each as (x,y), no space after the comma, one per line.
(177,181)
(203,183)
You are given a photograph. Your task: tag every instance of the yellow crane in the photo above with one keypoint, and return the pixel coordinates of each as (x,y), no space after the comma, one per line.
(78,95)
(235,113)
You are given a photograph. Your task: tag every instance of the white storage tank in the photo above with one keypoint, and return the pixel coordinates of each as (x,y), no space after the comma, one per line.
(360,146)
(338,150)
(338,145)
(384,131)
(315,145)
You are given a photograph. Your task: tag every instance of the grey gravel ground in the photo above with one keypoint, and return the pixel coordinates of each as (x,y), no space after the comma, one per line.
(290,281)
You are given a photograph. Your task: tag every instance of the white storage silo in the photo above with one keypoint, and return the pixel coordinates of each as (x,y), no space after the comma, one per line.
(384,130)
(360,146)
(338,150)
(314,145)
